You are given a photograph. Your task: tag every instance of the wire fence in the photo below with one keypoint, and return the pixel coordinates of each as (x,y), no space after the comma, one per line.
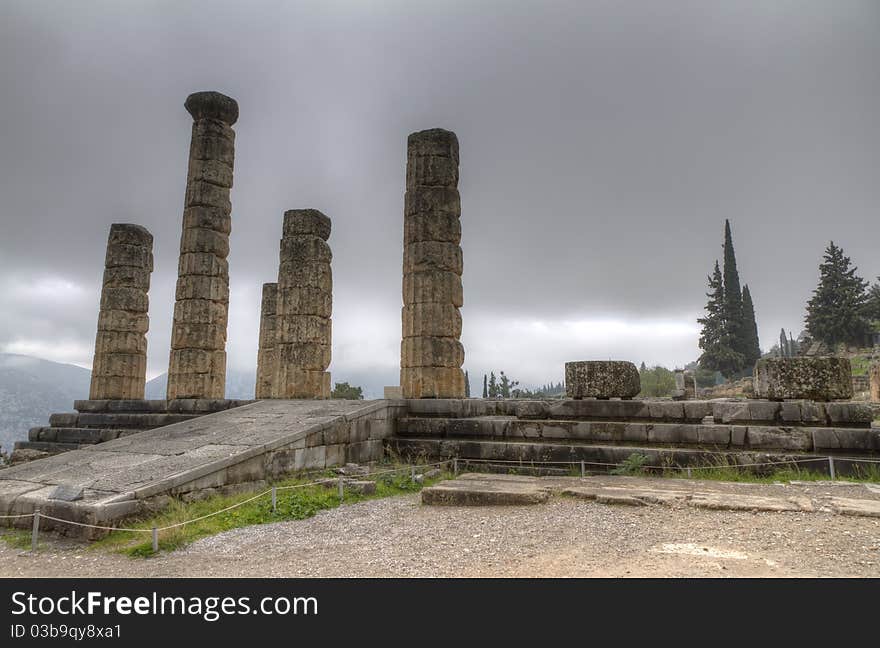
(456,463)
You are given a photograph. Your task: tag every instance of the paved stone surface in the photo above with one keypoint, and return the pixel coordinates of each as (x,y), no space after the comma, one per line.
(476,489)
(148,463)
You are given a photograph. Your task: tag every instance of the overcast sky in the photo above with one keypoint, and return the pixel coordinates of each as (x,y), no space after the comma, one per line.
(602,146)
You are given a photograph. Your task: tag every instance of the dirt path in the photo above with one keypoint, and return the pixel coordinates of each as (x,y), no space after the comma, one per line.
(565,537)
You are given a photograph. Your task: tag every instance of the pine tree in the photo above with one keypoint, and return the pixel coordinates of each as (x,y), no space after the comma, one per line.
(485,390)
(467,385)
(872,308)
(716,341)
(505,385)
(733,305)
(836,311)
(493,385)
(643,368)
(751,345)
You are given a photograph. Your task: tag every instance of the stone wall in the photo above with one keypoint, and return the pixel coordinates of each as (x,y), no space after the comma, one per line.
(120,365)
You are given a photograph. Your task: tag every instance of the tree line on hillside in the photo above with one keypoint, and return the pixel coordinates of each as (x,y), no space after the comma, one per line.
(842,310)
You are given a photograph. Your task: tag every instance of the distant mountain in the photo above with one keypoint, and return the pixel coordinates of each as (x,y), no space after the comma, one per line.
(31,389)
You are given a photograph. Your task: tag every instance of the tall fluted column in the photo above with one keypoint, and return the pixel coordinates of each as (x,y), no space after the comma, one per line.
(119,370)
(431,354)
(197,367)
(305,304)
(267,353)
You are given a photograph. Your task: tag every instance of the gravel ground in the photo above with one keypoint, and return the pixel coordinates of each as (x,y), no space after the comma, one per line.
(565,537)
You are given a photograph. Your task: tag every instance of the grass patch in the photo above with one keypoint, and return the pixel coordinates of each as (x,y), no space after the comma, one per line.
(863,473)
(296,504)
(17,538)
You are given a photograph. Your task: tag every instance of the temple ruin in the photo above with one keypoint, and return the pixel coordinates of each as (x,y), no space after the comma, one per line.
(197,366)
(119,369)
(267,365)
(431,355)
(305,304)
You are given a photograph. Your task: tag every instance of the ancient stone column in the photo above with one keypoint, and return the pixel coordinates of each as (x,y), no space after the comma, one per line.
(305,304)
(431,354)
(266,355)
(197,368)
(119,370)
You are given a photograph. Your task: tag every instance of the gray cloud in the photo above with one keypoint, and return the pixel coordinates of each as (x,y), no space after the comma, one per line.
(603,145)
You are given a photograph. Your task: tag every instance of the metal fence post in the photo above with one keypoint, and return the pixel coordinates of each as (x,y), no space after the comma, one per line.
(35,530)
(412,473)
(831,468)
(689,472)
(274,500)
(155,539)
(455,466)
(341,490)
(583,469)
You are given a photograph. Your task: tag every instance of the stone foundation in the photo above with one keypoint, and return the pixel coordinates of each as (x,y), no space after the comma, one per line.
(602,379)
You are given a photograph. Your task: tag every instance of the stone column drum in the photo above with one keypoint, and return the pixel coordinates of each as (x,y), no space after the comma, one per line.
(197,367)
(305,304)
(119,370)
(431,354)
(266,355)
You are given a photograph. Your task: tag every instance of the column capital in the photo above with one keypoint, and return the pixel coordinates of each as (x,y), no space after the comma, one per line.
(212,105)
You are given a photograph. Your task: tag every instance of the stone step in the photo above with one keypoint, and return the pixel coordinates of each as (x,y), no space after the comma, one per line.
(731,412)
(176,406)
(602,457)
(120,420)
(46,446)
(751,437)
(75,435)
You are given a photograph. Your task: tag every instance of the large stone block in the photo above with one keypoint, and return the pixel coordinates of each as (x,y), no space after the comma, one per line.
(119,320)
(305,249)
(211,171)
(601,379)
(188,335)
(306,222)
(303,328)
(431,352)
(127,277)
(137,256)
(820,379)
(432,226)
(421,200)
(210,147)
(120,364)
(210,218)
(427,256)
(205,194)
(432,142)
(432,170)
(130,234)
(201,311)
(117,387)
(133,300)
(214,289)
(432,382)
(202,263)
(432,320)
(311,356)
(437,287)
(197,361)
(198,385)
(205,241)
(129,342)
(293,382)
(303,301)
(292,274)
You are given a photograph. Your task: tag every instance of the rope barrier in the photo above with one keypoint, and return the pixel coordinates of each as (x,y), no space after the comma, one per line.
(155,530)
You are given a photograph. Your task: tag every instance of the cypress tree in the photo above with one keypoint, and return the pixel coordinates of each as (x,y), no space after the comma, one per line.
(836,311)
(733,305)
(485,389)
(716,341)
(784,349)
(467,385)
(752,345)
(493,385)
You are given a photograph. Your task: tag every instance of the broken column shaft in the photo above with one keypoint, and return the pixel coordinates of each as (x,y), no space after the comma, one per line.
(431,354)
(267,353)
(197,367)
(120,366)
(305,304)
